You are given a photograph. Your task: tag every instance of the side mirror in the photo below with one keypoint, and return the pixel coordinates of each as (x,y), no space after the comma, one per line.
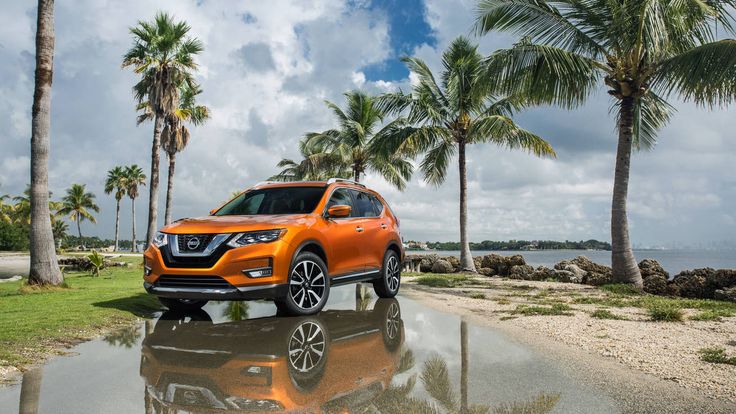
(213,211)
(339,211)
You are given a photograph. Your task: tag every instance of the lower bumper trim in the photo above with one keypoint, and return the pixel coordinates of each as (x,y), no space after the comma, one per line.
(234,293)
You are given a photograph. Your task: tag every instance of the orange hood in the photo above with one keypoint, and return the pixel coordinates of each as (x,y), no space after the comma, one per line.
(236,224)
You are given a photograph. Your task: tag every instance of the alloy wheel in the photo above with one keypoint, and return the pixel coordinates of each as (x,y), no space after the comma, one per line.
(307,284)
(393,319)
(392,273)
(306,347)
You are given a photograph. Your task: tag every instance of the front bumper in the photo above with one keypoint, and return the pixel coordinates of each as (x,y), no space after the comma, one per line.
(233,293)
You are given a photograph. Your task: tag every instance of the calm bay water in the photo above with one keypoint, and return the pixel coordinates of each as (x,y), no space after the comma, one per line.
(674,261)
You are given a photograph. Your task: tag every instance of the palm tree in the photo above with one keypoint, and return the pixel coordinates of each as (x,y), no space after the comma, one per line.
(60,230)
(79,204)
(316,165)
(443,119)
(642,51)
(134,177)
(163,55)
(175,135)
(5,209)
(116,182)
(44,267)
(355,142)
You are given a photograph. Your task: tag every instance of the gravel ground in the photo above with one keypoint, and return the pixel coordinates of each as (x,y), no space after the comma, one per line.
(660,359)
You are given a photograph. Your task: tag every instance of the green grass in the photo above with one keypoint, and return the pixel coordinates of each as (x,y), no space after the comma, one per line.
(621,289)
(713,315)
(442,280)
(478,295)
(606,314)
(665,312)
(717,356)
(556,309)
(36,321)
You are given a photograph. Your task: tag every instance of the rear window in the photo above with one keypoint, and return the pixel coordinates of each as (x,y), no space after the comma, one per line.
(277,200)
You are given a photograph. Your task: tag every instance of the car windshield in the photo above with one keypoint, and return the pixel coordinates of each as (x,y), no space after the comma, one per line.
(278,200)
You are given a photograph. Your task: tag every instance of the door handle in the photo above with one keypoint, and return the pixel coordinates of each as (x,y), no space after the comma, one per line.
(384,226)
(359,229)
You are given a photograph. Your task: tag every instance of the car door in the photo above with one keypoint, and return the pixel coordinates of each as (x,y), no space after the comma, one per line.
(344,236)
(372,239)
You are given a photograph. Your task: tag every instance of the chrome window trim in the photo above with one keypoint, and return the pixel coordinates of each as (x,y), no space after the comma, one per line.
(216,241)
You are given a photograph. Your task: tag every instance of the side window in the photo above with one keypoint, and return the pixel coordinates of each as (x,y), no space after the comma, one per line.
(377,205)
(363,204)
(341,196)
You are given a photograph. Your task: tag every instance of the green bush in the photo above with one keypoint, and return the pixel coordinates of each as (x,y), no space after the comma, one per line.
(717,356)
(14,237)
(713,315)
(665,312)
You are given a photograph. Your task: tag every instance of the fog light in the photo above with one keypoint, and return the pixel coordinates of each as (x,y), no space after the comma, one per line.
(261,272)
(147,270)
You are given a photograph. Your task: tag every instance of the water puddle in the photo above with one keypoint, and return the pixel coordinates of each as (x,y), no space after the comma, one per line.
(359,355)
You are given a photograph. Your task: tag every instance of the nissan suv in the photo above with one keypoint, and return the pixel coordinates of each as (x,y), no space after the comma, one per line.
(289,242)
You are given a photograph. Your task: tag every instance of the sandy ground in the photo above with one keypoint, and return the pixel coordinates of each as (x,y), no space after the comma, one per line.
(658,361)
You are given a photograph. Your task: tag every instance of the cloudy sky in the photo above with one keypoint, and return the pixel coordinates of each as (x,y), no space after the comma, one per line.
(266,69)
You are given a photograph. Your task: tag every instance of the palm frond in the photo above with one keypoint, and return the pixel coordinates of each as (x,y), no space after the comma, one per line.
(504,132)
(435,162)
(705,74)
(436,381)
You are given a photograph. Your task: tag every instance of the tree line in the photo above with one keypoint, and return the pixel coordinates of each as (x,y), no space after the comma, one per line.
(524,245)
(641,52)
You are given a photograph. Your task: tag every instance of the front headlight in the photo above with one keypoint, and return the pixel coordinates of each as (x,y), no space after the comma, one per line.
(160,239)
(253,237)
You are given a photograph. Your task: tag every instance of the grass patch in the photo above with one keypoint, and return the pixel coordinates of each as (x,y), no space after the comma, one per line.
(712,315)
(508,318)
(35,321)
(602,301)
(717,356)
(665,312)
(622,289)
(503,301)
(442,280)
(478,295)
(606,314)
(556,309)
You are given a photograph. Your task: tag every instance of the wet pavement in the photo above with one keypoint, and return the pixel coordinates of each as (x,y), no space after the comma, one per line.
(356,356)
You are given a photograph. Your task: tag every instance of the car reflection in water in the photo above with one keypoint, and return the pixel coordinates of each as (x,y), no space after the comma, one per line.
(330,362)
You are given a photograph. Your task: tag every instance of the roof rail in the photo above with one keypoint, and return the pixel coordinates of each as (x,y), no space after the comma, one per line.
(264,183)
(344,180)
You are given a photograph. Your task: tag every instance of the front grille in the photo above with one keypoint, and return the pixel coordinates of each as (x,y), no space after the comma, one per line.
(202,282)
(193,243)
(192,262)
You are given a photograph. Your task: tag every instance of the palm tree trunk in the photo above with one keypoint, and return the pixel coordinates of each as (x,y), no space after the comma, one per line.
(117,222)
(30,391)
(79,226)
(466,259)
(463,366)
(132,247)
(625,269)
(356,175)
(153,187)
(170,188)
(44,267)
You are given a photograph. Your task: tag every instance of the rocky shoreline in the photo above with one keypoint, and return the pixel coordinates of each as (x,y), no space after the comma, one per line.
(703,283)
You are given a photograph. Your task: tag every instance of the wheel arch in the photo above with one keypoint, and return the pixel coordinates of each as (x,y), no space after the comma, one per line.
(312,246)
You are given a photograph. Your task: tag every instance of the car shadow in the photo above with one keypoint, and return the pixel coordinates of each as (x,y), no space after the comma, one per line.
(142,305)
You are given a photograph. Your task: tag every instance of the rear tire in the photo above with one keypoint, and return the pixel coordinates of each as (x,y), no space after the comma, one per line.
(387,286)
(182,305)
(309,286)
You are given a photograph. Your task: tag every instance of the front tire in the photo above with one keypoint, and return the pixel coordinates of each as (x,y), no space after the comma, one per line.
(182,305)
(309,286)
(387,286)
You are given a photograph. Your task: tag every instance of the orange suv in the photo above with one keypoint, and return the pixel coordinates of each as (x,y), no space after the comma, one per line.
(283,241)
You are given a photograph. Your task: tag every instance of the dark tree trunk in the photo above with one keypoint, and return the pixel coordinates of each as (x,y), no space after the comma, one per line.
(466,258)
(30,391)
(44,267)
(153,187)
(625,269)
(79,226)
(117,222)
(463,366)
(132,203)
(170,188)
